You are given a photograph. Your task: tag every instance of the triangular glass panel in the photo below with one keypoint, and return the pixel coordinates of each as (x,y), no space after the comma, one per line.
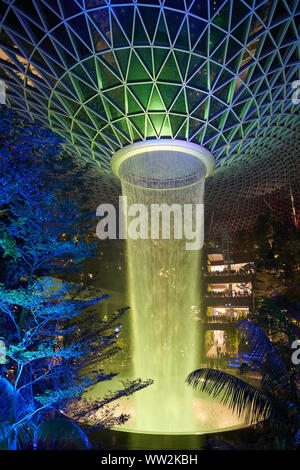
(200,9)
(182,132)
(182,61)
(166,128)
(169,71)
(109,59)
(161,36)
(197,28)
(194,126)
(70,8)
(200,79)
(174,20)
(101,42)
(203,44)
(139,123)
(135,134)
(112,111)
(122,124)
(133,104)
(108,79)
(194,97)
(140,36)
(159,55)
(150,130)
(80,29)
(142,92)
(150,17)
(97,120)
(168,93)
(125,17)
(123,60)
(145,54)
(118,36)
(62,38)
(136,70)
(117,95)
(179,106)
(182,41)
(156,103)
(96,104)
(99,19)
(237,14)
(157,121)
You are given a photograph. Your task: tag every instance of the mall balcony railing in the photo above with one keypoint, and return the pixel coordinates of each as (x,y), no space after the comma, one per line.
(227,318)
(231,276)
(216,299)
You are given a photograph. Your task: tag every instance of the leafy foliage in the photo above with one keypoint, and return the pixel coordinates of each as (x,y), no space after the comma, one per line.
(275,375)
(60,434)
(238,395)
(277,257)
(43,238)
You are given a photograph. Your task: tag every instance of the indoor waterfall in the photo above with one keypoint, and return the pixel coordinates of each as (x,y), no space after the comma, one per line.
(164,280)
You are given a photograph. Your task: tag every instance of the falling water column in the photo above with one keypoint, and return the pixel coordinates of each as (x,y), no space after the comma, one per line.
(164,176)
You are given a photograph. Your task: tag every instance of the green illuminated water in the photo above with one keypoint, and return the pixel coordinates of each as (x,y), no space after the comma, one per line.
(164,286)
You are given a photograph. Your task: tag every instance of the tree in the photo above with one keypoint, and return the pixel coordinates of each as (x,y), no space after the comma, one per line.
(43,236)
(277,257)
(276,246)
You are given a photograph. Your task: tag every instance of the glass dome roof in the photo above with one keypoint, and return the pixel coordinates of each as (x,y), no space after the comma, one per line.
(104,74)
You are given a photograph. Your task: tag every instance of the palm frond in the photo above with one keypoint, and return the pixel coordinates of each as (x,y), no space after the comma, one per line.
(16,437)
(24,436)
(275,375)
(239,396)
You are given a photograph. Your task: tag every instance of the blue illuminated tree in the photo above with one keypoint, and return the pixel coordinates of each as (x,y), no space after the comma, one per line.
(43,235)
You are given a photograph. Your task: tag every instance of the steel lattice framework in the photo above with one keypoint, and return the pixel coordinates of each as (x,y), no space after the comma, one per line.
(106,73)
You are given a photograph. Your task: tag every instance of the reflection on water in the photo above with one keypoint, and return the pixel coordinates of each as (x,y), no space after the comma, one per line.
(219,347)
